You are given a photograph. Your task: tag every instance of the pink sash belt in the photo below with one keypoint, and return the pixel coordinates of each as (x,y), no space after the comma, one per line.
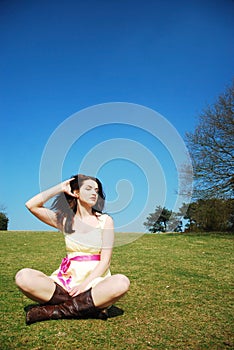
(66,262)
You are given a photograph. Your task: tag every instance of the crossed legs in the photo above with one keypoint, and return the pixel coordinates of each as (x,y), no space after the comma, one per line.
(40,288)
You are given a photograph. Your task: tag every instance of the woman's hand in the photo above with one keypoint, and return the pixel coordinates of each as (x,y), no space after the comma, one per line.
(66,187)
(36,203)
(77,290)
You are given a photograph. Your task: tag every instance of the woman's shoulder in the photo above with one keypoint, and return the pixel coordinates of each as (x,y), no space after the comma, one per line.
(104,218)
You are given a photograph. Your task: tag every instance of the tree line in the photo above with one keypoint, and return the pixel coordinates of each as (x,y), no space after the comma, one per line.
(212,153)
(3,219)
(203,215)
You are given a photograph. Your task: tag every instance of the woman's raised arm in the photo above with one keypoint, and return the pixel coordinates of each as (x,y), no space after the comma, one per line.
(36,203)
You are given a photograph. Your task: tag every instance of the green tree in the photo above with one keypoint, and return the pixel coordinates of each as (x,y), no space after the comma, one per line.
(210,215)
(3,221)
(211,149)
(159,221)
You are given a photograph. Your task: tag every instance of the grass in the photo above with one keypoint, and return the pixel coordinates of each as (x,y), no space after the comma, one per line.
(180,297)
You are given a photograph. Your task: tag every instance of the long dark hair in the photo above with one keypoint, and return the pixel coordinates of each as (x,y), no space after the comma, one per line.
(65,205)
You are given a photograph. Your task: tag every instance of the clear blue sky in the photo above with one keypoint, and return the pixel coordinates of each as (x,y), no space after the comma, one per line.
(60,57)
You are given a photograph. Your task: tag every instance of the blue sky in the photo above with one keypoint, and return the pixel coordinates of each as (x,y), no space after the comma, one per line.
(61,57)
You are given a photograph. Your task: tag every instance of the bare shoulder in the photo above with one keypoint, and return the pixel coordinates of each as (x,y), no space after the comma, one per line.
(106,220)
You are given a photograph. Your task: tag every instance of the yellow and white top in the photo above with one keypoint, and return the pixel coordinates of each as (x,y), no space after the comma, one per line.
(83,255)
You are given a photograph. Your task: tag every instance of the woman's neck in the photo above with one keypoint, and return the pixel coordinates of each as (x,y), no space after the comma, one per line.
(83,211)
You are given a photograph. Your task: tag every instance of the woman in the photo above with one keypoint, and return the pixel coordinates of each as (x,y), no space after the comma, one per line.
(82,287)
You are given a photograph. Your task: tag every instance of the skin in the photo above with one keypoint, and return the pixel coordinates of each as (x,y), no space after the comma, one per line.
(39,287)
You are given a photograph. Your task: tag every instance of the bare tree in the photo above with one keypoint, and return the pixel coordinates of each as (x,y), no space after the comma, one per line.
(211,149)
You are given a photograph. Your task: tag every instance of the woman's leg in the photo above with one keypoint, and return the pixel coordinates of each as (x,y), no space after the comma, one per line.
(110,290)
(84,305)
(35,285)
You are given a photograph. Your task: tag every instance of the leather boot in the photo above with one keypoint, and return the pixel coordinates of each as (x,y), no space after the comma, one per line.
(60,295)
(81,306)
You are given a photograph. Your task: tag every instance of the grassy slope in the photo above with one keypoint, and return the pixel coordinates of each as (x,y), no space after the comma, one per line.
(180,296)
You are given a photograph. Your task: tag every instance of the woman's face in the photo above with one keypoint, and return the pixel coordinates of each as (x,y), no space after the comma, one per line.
(88,192)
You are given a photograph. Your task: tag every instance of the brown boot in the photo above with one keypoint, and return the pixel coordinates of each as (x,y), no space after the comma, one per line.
(60,295)
(81,306)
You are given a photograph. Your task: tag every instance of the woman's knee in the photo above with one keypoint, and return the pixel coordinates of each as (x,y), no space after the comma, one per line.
(21,277)
(123,283)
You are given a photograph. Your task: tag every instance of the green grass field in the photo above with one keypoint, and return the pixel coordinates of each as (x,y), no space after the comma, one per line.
(181,295)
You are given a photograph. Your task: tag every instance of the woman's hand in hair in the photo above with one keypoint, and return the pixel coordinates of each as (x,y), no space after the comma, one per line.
(66,188)
(36,203)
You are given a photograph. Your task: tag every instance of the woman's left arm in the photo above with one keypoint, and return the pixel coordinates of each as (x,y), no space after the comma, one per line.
(106,253)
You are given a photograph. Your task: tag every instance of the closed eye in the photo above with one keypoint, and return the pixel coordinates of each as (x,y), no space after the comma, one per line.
(88,188)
